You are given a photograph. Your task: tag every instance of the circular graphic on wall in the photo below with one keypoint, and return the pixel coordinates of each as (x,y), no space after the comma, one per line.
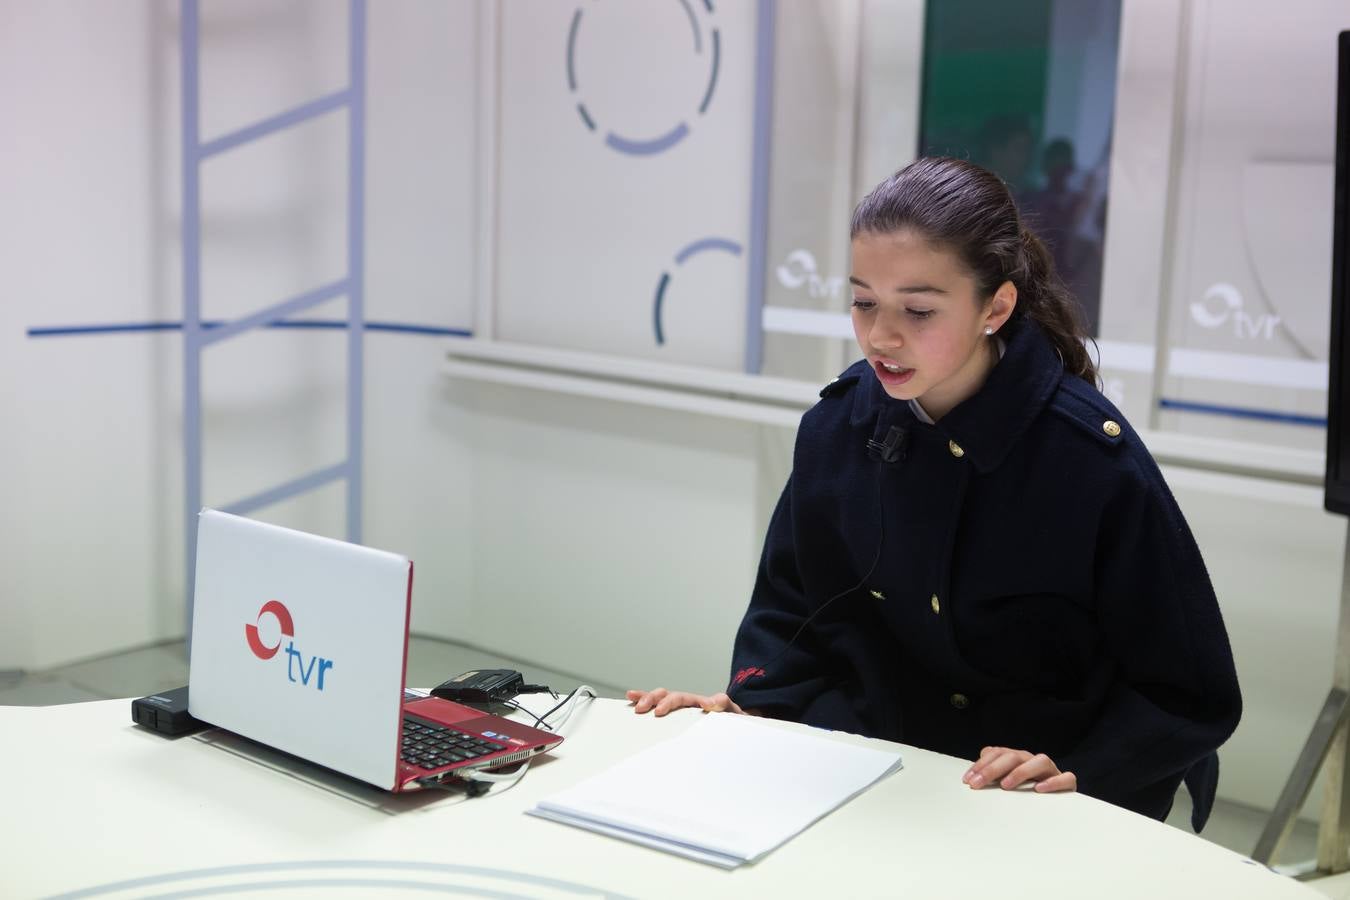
(349,877)
(702,245)
(624,65)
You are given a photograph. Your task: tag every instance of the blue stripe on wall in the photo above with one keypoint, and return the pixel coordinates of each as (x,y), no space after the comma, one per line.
(438,331)
(1239,412)
(125,327)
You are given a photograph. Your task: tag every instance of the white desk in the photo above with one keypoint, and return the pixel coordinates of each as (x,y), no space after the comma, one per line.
(97,806)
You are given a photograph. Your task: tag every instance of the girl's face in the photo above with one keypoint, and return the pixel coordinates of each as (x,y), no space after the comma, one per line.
(919,321)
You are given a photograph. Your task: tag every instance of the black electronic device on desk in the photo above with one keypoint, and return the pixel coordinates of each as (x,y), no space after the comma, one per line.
(166,712)
(483,687)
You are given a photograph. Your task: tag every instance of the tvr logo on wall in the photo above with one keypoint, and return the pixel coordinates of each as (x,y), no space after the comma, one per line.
(295,660)
(1222,304)
(800,270)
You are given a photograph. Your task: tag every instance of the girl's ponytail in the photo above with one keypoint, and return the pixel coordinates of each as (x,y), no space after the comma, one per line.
(1043,296)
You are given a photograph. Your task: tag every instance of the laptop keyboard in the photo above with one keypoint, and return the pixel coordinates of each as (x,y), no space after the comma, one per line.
(430,745)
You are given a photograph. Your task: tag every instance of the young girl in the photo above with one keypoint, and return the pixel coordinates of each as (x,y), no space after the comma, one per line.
(975,554)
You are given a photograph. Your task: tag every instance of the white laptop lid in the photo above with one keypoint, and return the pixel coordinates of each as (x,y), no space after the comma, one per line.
(299,642)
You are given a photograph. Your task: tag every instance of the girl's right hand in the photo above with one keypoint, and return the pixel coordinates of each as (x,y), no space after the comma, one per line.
(662,701)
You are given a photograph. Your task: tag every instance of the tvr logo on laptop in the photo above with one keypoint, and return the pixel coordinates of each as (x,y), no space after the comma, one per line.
(295,660)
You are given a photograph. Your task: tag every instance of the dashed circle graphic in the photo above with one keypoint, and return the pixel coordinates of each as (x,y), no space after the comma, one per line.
(703,244)
(663,142)
(381,877)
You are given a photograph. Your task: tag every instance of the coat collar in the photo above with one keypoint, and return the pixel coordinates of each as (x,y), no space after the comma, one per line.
(989,423)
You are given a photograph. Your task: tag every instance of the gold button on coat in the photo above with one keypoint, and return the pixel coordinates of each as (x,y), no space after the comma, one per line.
(1111,428)
(937,607)
(956,449)
(960,701)
(877,594)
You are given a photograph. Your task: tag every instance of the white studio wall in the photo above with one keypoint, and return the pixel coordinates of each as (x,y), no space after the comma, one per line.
(1251,234)
(93,560)
(614,541)
(88,449)
(1273,555)
(599,168)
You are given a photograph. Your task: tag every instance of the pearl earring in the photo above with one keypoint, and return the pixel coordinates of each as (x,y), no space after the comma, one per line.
(988,330)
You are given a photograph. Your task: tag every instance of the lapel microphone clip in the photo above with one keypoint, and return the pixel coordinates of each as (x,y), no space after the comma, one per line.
(891,449)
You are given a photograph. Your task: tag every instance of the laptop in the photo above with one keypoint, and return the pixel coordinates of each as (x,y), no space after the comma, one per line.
(300,642)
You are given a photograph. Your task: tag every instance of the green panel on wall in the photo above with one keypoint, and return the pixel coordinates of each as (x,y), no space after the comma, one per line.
(1026,88)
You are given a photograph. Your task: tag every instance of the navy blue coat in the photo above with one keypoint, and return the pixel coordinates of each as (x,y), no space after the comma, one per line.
(1021,577)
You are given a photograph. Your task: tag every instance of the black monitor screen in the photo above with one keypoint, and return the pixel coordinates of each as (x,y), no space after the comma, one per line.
(1338,387)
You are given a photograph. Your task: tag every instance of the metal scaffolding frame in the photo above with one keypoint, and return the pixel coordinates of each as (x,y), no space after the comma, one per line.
(197,336)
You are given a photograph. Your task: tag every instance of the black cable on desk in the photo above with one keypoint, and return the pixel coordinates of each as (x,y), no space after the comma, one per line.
(536,689)
(589,692)
(538,720)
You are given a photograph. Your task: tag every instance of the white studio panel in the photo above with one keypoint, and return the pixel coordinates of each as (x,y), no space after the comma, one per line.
(274,408)
(890,76)
(274,225)
(1252,228)
(259,57)
(814,139)
(1141,158)
(846,88)
(81,462)
(84,473)
(423,60)
(625,162)
(274,218)
(847,84)
(92,159)
(423,240)
(616,542)
(419,480)
(1274,556)
(75,99)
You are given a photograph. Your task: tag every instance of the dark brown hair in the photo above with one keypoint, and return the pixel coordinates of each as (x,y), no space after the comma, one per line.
(968,210)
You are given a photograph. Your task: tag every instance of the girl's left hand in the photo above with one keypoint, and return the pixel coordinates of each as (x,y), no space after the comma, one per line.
(1010,769)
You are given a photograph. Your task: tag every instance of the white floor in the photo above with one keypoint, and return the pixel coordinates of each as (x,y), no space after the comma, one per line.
(161,667)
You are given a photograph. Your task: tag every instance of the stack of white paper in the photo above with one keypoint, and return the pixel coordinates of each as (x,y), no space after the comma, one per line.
(727,791)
